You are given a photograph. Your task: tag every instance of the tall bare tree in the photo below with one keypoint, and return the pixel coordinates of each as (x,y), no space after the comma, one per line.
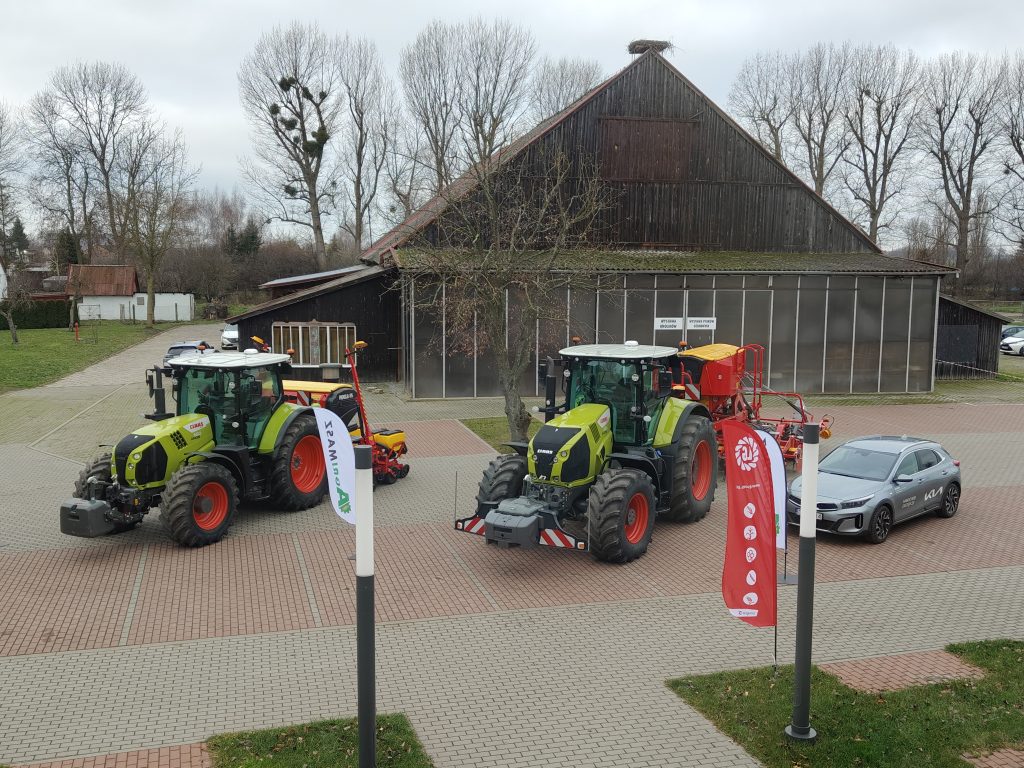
(292,93)
(405,169)
(63,180)
(368,132)
(155,200)
(558,83)
(963,97)
(11,167)
(98,106)
(429,72)
(883,109)
(762,96)
(819,90)
(1012,126)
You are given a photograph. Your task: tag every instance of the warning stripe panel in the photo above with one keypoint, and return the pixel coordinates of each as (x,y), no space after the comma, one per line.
(476,525)
(552,537)
(693,392)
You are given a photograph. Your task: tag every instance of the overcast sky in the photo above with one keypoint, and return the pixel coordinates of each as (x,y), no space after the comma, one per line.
(187,52)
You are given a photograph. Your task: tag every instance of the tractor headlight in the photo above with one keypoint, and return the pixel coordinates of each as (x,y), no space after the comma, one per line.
(563,454)
(136,456)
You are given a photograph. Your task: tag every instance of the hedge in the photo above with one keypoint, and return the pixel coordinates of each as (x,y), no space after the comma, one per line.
(41,314)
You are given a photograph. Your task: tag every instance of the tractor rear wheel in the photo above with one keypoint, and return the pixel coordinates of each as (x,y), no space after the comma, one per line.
(695,474)
(199,504)
(98,467)
(621,509)
(503,478)
(298,476)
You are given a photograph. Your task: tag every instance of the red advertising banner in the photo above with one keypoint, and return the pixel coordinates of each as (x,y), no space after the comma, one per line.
(748,578)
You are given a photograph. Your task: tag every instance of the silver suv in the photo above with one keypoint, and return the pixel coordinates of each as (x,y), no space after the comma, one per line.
(868,485)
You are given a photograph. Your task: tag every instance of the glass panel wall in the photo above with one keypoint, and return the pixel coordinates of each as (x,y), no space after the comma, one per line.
(839,333)
(895,329)
(810,357)
(868,331)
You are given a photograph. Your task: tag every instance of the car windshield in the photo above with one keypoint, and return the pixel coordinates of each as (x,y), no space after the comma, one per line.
(230,329)
(176,351)
(851,461)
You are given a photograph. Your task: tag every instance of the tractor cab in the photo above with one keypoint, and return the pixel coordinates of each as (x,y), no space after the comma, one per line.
(632,380)
(238,392)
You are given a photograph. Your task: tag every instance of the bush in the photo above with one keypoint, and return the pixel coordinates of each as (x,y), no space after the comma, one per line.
(42,314)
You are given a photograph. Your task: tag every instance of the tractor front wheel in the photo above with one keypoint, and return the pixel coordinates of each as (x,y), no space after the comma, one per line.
(621,509)
(695,474)
(503,478)
(298,477)
(98,468)
(199,504)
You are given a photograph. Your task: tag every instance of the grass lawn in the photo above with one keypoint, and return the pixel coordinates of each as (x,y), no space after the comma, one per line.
(929,725)
(46,354)
(495,431)
(326,744)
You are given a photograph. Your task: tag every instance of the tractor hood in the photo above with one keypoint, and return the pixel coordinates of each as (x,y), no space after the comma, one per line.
(565,449)
(151,453)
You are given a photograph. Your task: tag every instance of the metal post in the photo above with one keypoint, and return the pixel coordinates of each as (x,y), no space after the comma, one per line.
(800,727)
(365,645)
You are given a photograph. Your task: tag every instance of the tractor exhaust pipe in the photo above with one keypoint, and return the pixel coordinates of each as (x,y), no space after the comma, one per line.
(155,381)
(549,391)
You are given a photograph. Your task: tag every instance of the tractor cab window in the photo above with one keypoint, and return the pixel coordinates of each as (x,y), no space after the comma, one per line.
(259,390)
(652,402)
(209,392)
(611,383)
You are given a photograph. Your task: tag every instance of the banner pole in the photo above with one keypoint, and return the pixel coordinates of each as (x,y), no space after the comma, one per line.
(365,643)
(800,728)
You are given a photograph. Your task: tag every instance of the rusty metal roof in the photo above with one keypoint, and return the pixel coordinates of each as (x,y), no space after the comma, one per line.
(102,280)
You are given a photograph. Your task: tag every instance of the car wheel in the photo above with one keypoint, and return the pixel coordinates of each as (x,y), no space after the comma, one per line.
(880,525)
(951,501)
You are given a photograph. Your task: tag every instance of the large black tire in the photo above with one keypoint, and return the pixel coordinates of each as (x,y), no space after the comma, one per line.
(695,472)
(199,504)
(298,478)
(503,478)
(950,501)
(621,509)
(880,525)
(98,467)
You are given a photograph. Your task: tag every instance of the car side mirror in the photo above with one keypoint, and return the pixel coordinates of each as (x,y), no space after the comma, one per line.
(903,479)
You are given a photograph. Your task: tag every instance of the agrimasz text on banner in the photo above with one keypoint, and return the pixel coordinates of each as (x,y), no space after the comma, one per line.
(340,462)
(749,576)
(778,463)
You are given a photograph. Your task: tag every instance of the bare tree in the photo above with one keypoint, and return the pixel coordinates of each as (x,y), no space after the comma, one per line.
(429,72)
(368,131)
(1012,214)
(18,297)
(557,84)
(11,166)
(762,96)
(962,102)
(98,106)
(881,119)
(292,94)
(405,168)
(155,200)
(819,103)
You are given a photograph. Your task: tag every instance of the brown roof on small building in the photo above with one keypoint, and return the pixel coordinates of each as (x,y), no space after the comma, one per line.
(102,280)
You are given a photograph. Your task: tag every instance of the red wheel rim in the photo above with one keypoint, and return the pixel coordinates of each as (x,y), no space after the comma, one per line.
(308,464)
(210,506)
(637,514)
(700,471)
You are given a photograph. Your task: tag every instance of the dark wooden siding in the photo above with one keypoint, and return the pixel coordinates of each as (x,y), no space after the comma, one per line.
(703,183)
(968,342)
(372,305)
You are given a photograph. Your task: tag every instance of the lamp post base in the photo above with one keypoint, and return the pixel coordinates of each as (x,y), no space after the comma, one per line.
(795,734)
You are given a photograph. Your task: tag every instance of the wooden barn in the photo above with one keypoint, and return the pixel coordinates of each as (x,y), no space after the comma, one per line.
(708,238)
(968,340)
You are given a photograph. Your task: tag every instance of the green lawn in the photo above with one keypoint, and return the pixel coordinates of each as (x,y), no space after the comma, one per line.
(46,354)
(326,744)
(495,431)
(929,725)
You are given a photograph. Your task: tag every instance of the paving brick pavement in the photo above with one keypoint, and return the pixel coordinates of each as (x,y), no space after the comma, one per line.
(891,673)
(494,685)
(186,756)
(1001,758)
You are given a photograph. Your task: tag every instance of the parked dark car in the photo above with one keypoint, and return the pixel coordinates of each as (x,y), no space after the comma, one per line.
(187,348)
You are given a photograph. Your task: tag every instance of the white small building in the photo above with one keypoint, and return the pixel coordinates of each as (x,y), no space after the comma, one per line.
(111,292)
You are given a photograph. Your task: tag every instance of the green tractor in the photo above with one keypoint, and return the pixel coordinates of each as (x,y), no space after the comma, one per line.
(623,448)
(234,437)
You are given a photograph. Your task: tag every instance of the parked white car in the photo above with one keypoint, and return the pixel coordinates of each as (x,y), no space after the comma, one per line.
(229,337)
(1012,345)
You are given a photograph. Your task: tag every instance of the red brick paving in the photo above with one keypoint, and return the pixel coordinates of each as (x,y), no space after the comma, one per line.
(891,673)
(441,437)
(243,585)
(1002,758)
(920,420)
(186,756)
(65,600)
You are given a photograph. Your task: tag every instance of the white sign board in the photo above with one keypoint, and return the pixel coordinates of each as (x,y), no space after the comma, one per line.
(701,323)
(341,463)
(668,323)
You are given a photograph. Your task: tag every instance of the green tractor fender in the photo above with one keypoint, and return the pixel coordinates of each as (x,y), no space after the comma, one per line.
(670,426)
(641,462)
(230,461)
(282,418)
